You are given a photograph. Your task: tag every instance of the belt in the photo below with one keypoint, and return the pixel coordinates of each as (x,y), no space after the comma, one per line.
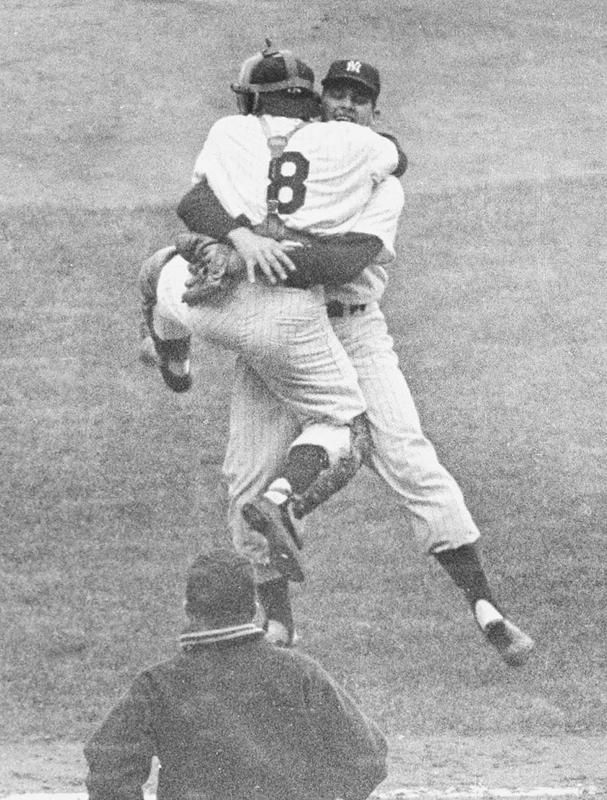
(337,309)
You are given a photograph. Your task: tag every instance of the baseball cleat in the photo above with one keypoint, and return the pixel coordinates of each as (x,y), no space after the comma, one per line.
(178,380)
(267,518)
(172,356)
(512,644)
(173,360)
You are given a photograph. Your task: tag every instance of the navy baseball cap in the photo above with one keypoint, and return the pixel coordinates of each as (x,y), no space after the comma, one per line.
(220,585)
(356,72)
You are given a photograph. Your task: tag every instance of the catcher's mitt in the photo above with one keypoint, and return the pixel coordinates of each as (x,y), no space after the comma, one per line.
(212,266)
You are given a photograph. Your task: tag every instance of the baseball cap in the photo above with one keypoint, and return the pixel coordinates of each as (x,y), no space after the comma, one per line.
(220,585)
(356,72)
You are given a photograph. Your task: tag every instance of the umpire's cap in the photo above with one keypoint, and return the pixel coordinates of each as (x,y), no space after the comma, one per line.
(220,587)
(354,71)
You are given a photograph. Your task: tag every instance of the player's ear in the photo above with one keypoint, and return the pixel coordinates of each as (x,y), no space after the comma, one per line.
(375,116)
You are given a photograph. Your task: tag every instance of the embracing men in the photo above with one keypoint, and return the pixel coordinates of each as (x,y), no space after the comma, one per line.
(264,426)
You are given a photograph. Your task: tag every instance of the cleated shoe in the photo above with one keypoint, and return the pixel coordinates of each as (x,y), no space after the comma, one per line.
(172,356)
(174,363)
(267,518)
(172,359)
(513,646)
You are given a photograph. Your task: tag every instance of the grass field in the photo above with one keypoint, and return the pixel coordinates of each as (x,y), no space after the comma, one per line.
(114,483)
(111,483)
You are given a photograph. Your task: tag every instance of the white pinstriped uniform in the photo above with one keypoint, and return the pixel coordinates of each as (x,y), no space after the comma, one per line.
(283,333)
(402,456)
(346,161)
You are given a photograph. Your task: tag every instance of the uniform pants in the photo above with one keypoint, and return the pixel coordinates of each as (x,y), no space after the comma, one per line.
(261,430)
(283,334)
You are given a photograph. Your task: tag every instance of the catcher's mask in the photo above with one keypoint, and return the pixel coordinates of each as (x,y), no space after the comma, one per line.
(271,71)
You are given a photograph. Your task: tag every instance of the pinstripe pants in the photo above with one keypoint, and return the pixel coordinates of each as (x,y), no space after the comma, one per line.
(283,334)
(401,454)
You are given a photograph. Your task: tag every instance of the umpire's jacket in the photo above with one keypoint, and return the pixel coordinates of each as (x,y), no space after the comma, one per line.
(236,719)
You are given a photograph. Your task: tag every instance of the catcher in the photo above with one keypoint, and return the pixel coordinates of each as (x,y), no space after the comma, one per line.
(396,449)
(279,323)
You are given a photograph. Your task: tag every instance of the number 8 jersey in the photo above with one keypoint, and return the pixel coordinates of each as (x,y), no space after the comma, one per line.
(322,180)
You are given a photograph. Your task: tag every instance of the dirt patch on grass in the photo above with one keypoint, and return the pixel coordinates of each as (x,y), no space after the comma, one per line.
(422,763)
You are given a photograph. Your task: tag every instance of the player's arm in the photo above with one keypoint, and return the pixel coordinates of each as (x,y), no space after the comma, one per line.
(201,212)
(331,260)
(401,167)
(381,216)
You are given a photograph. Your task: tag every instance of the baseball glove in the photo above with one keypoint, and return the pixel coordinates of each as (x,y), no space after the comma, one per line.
(212,266)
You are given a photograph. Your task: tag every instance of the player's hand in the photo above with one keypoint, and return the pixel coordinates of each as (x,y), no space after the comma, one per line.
(263,253)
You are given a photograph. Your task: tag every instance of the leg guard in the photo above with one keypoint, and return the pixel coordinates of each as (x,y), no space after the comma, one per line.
(340,472)
(170,349)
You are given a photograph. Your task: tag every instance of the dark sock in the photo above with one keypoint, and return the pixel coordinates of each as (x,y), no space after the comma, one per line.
(305,462)
(274,597)
(464,567)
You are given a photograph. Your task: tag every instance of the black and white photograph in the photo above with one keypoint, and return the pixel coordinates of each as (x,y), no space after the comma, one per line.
(303,400)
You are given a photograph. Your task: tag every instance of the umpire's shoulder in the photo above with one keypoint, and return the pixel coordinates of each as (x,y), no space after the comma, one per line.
(302,663)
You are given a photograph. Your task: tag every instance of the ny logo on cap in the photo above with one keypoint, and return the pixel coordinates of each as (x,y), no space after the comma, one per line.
(353,66)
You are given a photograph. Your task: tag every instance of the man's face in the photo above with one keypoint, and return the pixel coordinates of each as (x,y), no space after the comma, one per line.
(348,102)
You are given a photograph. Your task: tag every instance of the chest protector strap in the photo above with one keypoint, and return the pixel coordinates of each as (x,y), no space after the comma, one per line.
(276,144)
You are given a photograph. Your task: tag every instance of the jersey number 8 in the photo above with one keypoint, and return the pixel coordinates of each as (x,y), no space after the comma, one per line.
(288,177)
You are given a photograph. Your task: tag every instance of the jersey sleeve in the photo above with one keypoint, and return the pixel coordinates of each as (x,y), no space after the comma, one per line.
(333,260)
(381,215)
(208,153)
(383,156)
(201,212)
(403,163)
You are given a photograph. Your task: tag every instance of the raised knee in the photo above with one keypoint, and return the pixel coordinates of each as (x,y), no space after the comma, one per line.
(334,441)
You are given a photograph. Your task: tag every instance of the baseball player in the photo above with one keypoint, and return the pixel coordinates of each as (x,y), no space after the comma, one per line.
(231,716)
(434,507)
(282,331)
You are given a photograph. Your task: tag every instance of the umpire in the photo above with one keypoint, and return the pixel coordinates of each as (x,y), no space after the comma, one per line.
(232,717)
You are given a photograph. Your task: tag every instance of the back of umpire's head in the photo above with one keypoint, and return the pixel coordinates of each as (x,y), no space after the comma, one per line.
(220,589)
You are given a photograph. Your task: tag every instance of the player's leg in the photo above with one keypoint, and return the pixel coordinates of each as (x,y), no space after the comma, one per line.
(148,283)
(169,338)
(261,430)
(407,461)
(322,460)
(285,335)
